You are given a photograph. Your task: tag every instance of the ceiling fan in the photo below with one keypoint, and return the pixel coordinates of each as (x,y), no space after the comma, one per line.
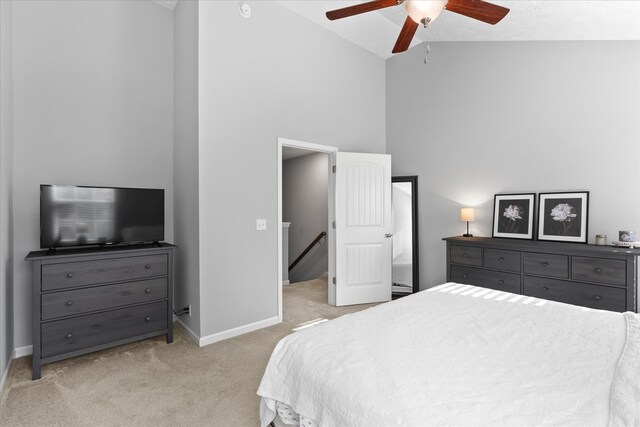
(424,12)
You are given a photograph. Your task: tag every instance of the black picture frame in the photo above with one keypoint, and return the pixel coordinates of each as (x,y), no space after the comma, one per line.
(513,216)
(563,216)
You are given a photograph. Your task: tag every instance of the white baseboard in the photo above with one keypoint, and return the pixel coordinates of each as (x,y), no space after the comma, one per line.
(16,353)
(286,282)
(230,333)
(5,374)
(22,351)
(194,337)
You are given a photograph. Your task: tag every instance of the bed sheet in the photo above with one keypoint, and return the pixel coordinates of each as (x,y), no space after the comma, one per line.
(476,357)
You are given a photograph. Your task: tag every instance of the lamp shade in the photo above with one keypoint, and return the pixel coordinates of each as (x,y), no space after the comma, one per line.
(427,10)
(467,214)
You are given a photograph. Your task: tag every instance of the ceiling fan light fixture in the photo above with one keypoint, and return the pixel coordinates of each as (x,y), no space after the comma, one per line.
(424,11)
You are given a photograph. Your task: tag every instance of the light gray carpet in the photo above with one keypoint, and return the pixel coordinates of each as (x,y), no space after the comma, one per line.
(152,383)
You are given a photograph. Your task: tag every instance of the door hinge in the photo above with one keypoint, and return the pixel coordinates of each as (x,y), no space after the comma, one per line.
(334,280)
(333,168)
(333,224)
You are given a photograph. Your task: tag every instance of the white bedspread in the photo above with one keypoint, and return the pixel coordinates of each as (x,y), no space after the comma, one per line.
(460,355)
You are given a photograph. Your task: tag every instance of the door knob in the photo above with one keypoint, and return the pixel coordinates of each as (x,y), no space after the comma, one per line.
(388,235)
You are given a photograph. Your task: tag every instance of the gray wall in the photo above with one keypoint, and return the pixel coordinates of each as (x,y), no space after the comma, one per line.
(281,76)
(92,106)
(185,159)
(6,172)
(483,118)
(305,183)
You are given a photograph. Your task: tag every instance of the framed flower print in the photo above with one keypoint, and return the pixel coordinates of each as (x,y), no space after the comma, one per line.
(564,217)
(513,215)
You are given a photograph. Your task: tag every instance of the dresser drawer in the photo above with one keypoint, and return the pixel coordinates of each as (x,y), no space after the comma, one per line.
(466,255)
(502,260)
(79,301)
(546,264)
(65,336)
(497,280)
(599,270)
(593,296)
(83,273)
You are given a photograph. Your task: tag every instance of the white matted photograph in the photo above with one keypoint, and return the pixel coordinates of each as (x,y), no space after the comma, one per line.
(513,215)
(564,217)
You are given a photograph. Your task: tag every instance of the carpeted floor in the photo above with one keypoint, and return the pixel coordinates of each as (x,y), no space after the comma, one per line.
(152,383)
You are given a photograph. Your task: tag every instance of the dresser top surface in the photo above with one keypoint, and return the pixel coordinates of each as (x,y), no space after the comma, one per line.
(95,250)
(540,246)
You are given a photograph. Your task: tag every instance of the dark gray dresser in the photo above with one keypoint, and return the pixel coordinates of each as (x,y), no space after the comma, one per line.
(602,277)
(89,299)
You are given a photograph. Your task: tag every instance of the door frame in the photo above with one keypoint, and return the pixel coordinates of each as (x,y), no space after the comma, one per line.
(331,238)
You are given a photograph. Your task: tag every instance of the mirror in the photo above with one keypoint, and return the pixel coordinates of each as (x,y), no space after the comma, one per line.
(404,217)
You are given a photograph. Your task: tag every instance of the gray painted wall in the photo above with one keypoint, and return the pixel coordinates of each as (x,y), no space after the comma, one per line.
(305,183)
(185,159)
(484,118)
(281,77)
(92,106)
(6,176)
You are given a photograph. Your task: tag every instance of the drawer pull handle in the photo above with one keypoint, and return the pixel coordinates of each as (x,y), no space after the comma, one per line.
(148,266)
(598,270)
(69,275)
(147,291)
(465,275)
(501,259)
(545,289)
(545,264)
(69,335)
(146,319)
(464,255)
(597,297)
(501,281)
(69,303)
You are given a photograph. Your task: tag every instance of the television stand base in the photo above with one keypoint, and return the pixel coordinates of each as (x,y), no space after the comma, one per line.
(51,251)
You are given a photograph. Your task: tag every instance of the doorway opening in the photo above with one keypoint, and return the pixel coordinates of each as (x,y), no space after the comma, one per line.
(306,194)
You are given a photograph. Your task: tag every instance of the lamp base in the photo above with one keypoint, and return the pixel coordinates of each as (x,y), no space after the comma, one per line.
(467,235)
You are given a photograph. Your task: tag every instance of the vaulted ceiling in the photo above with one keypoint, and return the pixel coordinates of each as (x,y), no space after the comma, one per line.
(528,20)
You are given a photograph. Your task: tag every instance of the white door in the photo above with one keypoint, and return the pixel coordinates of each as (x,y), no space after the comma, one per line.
(363,228)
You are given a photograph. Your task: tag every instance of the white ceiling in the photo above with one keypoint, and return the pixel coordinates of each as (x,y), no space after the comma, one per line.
(528,20)
(289,153)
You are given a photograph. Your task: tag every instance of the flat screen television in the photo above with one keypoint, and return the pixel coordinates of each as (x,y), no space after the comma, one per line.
(75,215)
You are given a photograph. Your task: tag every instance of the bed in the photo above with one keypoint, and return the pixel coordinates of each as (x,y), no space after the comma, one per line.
(472,356)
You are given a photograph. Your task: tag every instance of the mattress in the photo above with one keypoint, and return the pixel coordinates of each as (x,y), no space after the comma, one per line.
(460,355)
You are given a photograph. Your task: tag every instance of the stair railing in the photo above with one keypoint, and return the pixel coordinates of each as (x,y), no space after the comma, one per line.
(306,251)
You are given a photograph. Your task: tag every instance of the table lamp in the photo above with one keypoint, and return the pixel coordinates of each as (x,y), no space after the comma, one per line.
(467,215)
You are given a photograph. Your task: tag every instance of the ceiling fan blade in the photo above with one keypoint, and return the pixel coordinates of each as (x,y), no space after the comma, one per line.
(406,35)
(360,8)
(478,9)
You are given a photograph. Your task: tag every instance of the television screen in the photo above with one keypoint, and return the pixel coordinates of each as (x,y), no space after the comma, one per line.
(75,216)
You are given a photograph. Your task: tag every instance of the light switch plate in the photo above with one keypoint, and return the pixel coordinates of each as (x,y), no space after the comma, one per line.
(261,224)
